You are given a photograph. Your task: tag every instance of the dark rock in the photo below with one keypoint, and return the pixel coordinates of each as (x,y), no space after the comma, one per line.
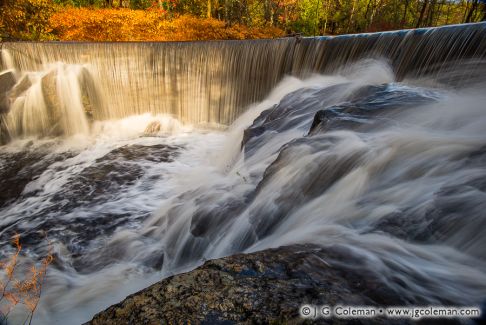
(4,134)
(315,111)
(320,120)
(20,168)
(482,319)
(263,287)
(250,133)
(155,153)
(7,81)
(455,208)
(96,184)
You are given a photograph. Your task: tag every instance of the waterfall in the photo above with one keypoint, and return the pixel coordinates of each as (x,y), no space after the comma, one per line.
(143,160)
(212,83)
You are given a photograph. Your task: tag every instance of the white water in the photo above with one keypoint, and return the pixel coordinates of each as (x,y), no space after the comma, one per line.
(70,297)
(400,168)
(51,102)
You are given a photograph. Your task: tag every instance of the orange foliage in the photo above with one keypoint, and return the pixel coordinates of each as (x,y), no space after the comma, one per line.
(83,24)
(26,291)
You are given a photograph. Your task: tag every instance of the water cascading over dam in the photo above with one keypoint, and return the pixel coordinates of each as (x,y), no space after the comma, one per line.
(207,82)
(141,160)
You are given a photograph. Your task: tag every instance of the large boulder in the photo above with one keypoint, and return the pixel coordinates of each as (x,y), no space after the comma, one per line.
(90,95)
(90,99)
(7,81)
(53,103)
(264,287)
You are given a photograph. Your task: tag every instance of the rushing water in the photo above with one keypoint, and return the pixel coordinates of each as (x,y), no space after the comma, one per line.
(382,156)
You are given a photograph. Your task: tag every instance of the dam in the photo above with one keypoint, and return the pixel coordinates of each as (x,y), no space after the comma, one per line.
(143,160)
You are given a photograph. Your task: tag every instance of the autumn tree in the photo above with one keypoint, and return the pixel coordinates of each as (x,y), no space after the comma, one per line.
(25,19)
(29,19)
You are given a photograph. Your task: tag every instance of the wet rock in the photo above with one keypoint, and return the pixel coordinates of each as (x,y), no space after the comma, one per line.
(52,102)
(155,153)
(152,129)
(482,319)
(263,287)
(315,111)
(20,168)
(110,174)
(320,120)
(54,106)
(90,96)
(20,88)
(7,81)
(4,134)
(453,209)
(63,216)
(252,132)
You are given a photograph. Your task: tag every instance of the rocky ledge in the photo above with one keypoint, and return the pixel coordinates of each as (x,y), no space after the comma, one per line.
(263,287)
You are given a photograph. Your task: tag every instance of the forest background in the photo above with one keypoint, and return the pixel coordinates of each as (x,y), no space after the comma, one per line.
(182,20)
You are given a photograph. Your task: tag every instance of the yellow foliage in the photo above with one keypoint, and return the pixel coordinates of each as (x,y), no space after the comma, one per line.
(83,24)
(25,19)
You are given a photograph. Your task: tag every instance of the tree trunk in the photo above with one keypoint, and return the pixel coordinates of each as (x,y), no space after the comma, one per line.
(404,19)
(267,11)
(465,11)
(422,13)
(367,22)
(328,3)
(473,9)
(449,6)
(209,9)
(351,16)
(439,12)
(431,12)
(373,11)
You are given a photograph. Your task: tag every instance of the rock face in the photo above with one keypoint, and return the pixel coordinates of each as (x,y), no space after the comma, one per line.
(53,103)
(4,135)
(263,287)
(7,81)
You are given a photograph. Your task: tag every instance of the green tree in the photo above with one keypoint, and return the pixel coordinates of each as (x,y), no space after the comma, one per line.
(309,17)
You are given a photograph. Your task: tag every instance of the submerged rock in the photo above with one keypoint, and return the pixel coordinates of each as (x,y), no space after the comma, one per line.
(19,168)
(152,129)
(264,287)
